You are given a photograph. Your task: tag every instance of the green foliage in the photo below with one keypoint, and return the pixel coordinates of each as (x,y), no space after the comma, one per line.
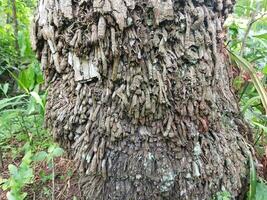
(22,103)
(52,152)
(252,180)
(224,195)
(48,156)
(8,52)
(21,119)
(23,175)
(248,50)
(261,191)
(19,177)
(30,77)
(256,81)
(248,47)
(4,88)
(243,8)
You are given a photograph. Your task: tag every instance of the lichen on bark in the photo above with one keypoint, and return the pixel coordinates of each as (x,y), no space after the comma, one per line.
(140,95)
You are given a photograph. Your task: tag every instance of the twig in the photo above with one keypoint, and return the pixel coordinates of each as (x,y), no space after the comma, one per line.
(53,180)
(250,23)
(63,189)
(68,182)
(35,124)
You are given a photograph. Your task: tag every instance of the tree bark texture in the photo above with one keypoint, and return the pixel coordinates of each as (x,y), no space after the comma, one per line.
(140,95)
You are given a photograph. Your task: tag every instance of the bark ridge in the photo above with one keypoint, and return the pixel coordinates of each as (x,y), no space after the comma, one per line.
(140,95)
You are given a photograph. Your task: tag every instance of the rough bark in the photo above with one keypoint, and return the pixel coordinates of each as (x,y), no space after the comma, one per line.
(140,95)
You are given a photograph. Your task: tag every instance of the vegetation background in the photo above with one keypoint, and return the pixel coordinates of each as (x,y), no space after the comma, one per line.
(32,166)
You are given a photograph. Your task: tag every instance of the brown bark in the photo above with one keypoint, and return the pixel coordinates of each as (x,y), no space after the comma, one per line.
(140,95)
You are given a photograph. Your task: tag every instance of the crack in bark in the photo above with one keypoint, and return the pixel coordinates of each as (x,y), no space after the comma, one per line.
(141,97)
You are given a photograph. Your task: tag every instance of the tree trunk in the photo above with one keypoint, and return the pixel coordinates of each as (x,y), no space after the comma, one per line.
(140,94)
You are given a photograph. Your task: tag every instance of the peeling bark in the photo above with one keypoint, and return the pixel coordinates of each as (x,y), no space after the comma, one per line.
(140,95)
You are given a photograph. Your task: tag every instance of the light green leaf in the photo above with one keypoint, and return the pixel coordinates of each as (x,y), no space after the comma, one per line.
(261,36)
(13,170)
(5,88)
(20,83)
(13,101)
(250,102)
(57,152)
(40,156)
(10,196)
(252,179)
(27,78)
(261,191)
(264,70)
(243,63)
(264,128)
(38,99)
(27,157)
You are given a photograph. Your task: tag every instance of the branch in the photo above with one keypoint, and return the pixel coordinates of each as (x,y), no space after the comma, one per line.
(250,23)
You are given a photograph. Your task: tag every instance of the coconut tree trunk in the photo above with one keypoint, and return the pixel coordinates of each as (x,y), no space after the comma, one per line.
(140,95)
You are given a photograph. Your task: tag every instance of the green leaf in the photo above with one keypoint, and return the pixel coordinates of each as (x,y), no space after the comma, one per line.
(264,70)
(27,78)
(252,179)
(26,174)
(20,83)
(256,81)
(22,43)
(224,195)
(261,191)
(13,170)
(38,99)
(38,73)
(250,102)
(40,156)
(264,128)
(57,152)
(10,196)
(27,159)
(4,88)
(261,36)
(13,101)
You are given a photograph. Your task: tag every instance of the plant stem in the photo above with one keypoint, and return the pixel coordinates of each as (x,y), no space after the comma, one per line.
(244,90)
(53,180)
(1,160)
(250,23)
(252,20)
